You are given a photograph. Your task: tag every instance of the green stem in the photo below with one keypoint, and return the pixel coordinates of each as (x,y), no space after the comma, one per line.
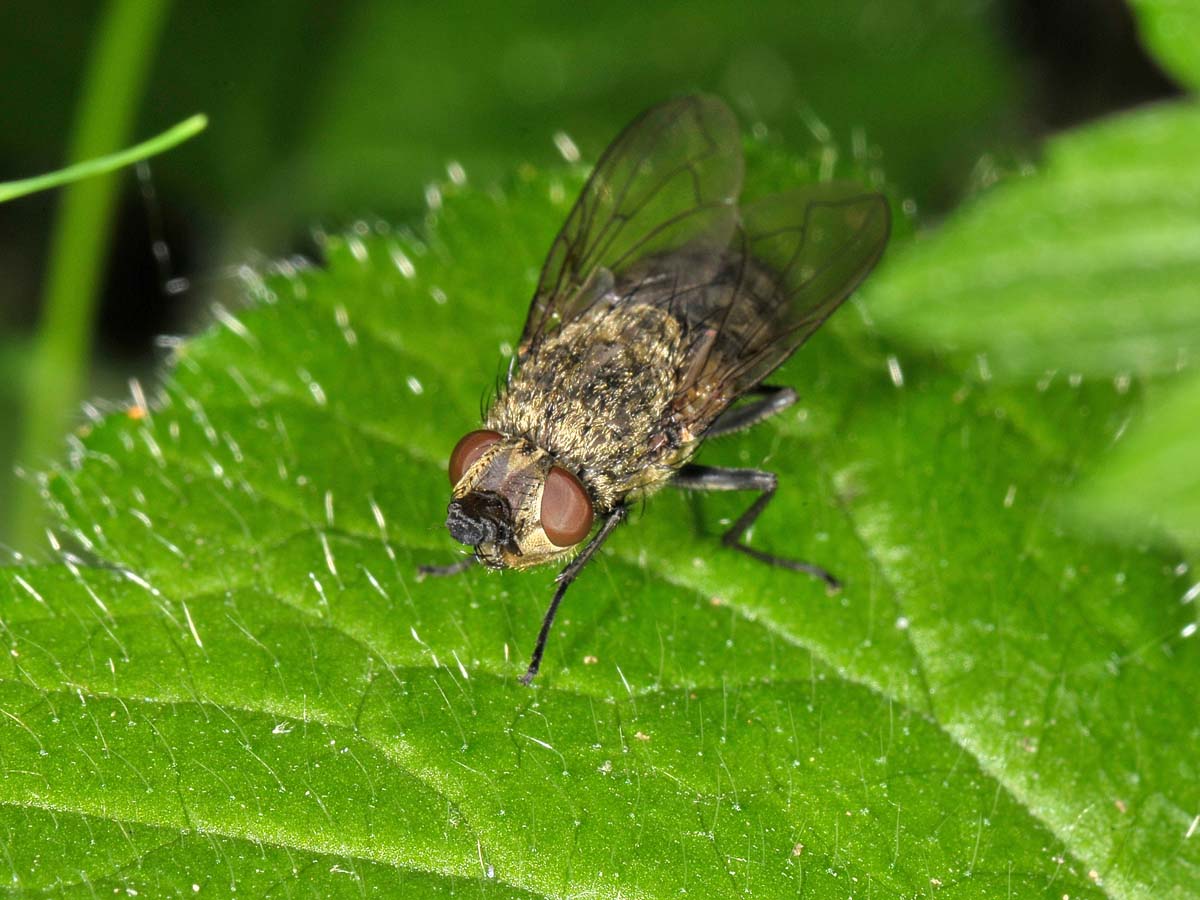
(10,190)
(113,85)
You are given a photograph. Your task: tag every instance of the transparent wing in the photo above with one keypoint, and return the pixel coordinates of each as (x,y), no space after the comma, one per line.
(670,179)
(798,255)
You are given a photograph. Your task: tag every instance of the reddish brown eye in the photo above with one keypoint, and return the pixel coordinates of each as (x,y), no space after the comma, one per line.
(468,450)
(566,509)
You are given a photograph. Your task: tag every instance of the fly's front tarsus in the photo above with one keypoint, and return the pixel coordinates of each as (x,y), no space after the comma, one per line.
(564,579)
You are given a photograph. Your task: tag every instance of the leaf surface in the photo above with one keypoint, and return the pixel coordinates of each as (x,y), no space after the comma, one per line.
(247,686)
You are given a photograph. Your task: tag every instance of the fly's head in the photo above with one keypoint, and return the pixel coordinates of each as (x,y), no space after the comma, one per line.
(512,503)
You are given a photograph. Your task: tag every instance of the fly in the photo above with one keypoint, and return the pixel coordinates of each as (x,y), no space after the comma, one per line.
(662,301)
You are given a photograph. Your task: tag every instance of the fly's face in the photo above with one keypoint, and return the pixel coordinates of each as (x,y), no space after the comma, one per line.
(512,503)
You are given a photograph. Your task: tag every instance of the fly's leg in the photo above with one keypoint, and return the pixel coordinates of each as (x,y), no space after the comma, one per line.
(774,400)
(708,478)
(441,571)
(564,579)
(712,478)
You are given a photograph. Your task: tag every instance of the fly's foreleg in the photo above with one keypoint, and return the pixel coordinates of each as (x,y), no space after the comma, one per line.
(565,577)
(712,478)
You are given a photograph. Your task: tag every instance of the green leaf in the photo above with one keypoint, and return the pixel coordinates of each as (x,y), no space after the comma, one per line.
(250,689)
(933,80)
(1152,477)
(1089,265)
(1172,29)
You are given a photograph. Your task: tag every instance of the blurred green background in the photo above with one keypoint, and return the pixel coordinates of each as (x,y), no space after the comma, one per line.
(325,113)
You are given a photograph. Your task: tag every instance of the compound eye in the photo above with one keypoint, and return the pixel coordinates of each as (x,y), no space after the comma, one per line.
(467,451)
(566,509)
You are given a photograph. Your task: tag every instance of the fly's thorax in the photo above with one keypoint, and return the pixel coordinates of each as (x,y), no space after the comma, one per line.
(597,394)
(497,506)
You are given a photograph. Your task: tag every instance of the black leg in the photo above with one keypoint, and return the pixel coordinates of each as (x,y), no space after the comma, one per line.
(711,478)
(441,571)
(565,577)
(774,400)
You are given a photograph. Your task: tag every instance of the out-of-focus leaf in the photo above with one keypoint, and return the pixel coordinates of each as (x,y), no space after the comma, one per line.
(1172,30)
(250,690)
(364,118)
(932,79)
(1090,265)
(1153,476)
